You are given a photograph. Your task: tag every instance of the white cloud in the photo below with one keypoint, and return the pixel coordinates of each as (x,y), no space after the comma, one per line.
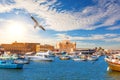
(81,44)
(111,35)
(116,39)
(93,37)
(111,9)
(105,12)
(90,41)
(62,36)
(114,28)
(65,20)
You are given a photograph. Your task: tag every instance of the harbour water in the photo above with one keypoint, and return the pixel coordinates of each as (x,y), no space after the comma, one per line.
(61,70)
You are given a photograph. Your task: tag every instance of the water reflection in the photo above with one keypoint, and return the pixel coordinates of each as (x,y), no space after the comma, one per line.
(114,74)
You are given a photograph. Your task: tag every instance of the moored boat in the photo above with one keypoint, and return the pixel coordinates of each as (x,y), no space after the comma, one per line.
(83,57)
(22,61)
(10,65)
(77,58)
(92,58)
(8,57)
(113,63)
(41,56)
(64,57)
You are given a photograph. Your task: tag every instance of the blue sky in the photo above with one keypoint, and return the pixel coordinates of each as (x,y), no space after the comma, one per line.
(89,23)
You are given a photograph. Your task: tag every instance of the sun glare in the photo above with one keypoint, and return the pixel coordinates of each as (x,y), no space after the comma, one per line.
(16,30)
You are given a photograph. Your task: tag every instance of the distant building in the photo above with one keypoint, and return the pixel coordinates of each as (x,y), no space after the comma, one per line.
(21,48)
(66,46)
(1,50)
(84,50)
(44,48)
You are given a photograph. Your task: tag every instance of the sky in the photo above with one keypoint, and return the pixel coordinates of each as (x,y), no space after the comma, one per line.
(89,23)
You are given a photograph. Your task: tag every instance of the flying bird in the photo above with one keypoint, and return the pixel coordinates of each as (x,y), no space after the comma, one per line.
(37,24)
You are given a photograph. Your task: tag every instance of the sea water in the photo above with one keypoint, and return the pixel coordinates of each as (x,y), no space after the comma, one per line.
(62,70)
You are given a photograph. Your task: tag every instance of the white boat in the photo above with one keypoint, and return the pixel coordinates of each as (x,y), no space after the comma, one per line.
(8,57)
(21,61)
(79,58)
(92,58)
(76,58)
(41,56)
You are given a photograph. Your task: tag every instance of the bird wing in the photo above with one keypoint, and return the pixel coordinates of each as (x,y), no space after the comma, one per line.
(36,23)
(34,19)
(41,27)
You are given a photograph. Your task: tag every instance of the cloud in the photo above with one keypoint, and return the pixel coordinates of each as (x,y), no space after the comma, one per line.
(114,28)
(102,13)
(93,37)
(110,10)
(105,11)
(82,44)
(116,39)
(110,41)
(62,36)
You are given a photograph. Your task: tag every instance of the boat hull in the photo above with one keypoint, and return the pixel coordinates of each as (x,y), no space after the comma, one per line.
(36,58)
(113,66)
(92,58)
(42,60)
(64,58)
(8,58)
(11,66)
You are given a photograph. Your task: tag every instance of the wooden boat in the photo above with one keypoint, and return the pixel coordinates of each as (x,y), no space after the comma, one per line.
(64,57)
(112,64)
(10,65)
(83,57)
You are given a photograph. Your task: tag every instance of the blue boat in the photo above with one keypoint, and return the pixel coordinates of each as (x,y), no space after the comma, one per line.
(10,65)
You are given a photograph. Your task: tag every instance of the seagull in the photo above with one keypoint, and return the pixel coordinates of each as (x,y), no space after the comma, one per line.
(37,24)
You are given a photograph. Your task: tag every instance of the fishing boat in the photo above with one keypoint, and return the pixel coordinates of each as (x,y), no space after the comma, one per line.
(76,58)
(92,58)
(113,63)
(10,65)
(41,56)
(7,57)
(83,57)
(64,57)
